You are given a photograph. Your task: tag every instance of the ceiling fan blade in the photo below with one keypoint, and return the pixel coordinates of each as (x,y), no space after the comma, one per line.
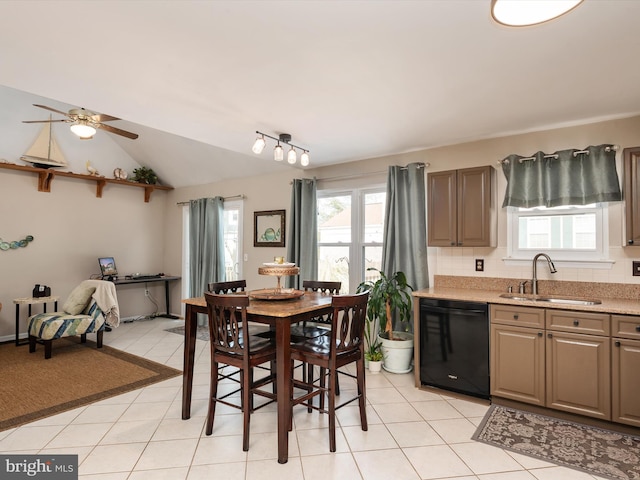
(101,117)
(43,121)
(50,109)
(117,131)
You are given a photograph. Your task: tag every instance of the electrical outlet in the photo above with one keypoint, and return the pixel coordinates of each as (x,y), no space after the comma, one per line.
(479,264)
(636,269)
(146,292)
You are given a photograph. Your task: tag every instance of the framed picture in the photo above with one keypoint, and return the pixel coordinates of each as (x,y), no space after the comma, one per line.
(268,227)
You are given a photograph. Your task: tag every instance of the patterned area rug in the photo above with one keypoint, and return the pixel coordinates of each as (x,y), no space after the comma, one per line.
(201,334)
(593,450)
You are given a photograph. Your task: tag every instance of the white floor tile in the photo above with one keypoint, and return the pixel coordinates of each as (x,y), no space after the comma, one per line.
(413,434)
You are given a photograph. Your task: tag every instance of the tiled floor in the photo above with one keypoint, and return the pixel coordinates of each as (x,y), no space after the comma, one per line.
(412,434)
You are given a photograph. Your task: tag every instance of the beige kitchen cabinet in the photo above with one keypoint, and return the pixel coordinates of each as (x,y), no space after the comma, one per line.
(625,369)
(631,159)
(461,208)
(517,366)
(578,363)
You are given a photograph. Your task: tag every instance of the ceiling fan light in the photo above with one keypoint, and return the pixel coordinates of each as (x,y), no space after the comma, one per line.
(83,130)
(278,153)
(304,159)
(291,156)
(258,146)
(520,13)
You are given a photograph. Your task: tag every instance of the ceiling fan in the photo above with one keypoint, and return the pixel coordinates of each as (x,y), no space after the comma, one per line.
(84,122)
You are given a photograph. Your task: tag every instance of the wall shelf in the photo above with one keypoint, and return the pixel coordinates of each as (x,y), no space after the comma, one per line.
(46,176)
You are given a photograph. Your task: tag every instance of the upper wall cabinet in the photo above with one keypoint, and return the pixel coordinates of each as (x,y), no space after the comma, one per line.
(461,208)
(631,158)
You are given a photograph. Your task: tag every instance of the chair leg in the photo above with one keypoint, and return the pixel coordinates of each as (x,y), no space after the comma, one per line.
(213,393)
(332,410)
(32,344)
(246,379)
(83,338)
(362,401)
(47,348)
(99,338)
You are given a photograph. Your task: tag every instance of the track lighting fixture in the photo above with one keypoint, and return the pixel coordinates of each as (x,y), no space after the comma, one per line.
(278,152)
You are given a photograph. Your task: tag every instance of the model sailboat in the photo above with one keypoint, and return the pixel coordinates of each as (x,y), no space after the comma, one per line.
(45,152)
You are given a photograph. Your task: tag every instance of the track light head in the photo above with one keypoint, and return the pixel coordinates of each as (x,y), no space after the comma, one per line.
(278,152)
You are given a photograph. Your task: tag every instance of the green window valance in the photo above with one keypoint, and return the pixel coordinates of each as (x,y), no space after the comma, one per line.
(566,177)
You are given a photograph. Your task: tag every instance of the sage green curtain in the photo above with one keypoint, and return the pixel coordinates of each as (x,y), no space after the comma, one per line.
(565,177)
(302,241)
(206,245)
(404,246)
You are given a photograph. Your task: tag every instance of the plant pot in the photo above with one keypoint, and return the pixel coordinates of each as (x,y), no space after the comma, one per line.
(375,366)
(398,353)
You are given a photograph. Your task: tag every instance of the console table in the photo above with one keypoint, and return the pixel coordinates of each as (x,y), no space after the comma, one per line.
(166,279)
(31,301)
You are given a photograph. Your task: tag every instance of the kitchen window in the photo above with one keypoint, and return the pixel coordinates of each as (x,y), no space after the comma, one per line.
(350,235)
(575,233)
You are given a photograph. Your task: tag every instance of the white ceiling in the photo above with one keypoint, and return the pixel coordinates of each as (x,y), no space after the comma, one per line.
(348,80)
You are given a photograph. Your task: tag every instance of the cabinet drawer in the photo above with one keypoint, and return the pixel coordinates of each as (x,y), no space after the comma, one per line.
(578,322)
(513,315)
(625,326)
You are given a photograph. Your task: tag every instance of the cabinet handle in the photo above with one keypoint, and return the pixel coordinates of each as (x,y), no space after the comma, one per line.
(453,244)
(515,317)
(637,328)
(576,323)
(617,344)
(459,244)
(539,334)
(630,242)
(549,335)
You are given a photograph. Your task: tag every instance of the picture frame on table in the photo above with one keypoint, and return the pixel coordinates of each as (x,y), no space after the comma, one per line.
(269,228)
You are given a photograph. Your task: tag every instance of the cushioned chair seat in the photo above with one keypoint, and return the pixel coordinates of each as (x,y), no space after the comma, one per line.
(50,326)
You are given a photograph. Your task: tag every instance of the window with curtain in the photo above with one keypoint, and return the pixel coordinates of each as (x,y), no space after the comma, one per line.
(558,203)
(350,235)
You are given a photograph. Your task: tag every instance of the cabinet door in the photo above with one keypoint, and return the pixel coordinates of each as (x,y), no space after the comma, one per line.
(626,381)
(517,363)
(631,195)
(579,374)
(474,207)
(442,209)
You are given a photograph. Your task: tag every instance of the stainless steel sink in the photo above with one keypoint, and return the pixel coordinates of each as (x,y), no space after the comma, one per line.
(550,299)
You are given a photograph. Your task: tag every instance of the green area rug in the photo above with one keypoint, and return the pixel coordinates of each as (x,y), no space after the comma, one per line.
(593,450)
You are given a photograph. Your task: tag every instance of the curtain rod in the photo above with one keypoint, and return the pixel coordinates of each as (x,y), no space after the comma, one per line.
(366,174)
(241,196)
(615,148)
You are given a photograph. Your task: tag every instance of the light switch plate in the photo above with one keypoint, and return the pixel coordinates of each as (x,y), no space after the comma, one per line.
(480,265)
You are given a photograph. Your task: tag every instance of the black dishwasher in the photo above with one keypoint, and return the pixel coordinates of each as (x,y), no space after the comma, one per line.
(454,346)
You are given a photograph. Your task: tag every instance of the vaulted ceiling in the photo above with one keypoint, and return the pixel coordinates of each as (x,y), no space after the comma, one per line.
(348,80)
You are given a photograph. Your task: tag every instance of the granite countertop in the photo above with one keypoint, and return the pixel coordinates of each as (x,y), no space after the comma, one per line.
(624,306)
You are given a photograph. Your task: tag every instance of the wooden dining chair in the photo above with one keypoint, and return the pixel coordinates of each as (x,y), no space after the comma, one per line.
(227,287)
(228,345)
(343,346)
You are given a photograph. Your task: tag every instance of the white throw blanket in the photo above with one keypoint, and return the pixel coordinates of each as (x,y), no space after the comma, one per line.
(106,298)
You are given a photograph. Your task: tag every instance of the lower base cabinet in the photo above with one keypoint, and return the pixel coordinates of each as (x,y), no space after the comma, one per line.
(625,368)
(579,374)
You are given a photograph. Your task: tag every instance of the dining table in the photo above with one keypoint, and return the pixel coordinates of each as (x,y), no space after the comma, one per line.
(279,314)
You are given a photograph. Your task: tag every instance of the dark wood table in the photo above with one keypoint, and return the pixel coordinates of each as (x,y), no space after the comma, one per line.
(278,313)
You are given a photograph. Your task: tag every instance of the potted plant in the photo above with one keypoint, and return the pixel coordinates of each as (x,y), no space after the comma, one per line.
(373,355)
(145,175)
(390,302)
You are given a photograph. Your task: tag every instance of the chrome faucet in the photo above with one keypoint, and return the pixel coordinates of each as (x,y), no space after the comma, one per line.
(534,281)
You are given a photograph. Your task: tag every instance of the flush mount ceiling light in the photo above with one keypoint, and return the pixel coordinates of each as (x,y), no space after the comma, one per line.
(278,152)
(520,13)
(83,129)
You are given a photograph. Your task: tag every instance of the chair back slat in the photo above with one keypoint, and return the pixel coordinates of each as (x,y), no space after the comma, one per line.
(349,313)
(227,317)
(322,286)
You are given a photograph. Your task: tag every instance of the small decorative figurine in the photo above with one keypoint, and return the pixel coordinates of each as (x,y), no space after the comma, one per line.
(120,174)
